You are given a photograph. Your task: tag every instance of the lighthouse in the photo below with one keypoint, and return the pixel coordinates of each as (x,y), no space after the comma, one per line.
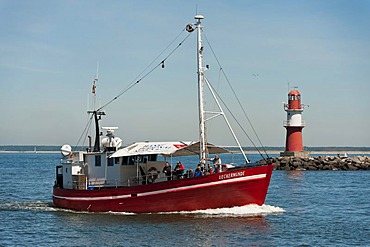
(294,125)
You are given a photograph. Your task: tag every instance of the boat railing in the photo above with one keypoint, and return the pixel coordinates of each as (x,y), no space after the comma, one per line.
(70,162)
(144,179)
(101,183)
(94,184)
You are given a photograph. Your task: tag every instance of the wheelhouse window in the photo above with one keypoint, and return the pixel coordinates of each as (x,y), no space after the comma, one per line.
(97,160)
(126,161)
(110,162)
(153,157)
(132,160)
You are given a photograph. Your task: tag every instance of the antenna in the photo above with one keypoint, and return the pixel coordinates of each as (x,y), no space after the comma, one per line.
(95,81)
(97,70)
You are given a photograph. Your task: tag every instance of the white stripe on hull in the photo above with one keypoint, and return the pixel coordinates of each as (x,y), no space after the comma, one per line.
(177,189)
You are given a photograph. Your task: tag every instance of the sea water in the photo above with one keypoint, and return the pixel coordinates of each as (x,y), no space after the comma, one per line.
(303,208)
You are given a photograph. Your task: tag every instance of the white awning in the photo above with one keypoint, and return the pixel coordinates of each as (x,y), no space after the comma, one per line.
(147,148)
(166,149)
(194,149)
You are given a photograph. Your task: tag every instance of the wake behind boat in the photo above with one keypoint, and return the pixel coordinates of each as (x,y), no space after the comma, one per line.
(133,179)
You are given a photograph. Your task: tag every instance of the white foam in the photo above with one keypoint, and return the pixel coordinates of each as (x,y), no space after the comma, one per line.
(242,211)
(248,210)
(33,206)
(120,213)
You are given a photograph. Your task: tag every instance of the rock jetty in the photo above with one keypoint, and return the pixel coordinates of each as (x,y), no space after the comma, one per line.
(320,163)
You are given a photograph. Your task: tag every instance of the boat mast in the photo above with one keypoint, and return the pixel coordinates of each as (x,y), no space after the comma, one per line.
(97,113)
(200,71)
(202,113)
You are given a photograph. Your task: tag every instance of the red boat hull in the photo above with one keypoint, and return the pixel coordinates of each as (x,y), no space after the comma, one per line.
(235,187)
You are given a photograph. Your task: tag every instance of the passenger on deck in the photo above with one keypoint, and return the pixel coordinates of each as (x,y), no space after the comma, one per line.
(179,169)
(167,171)
(216,163)
(198,172)
(190,173)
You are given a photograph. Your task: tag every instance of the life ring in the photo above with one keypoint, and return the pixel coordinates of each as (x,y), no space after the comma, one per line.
(152,174)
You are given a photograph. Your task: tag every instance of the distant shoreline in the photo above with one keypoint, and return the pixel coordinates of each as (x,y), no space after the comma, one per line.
(271,152)
(29,152)
(314,152)
(234,149)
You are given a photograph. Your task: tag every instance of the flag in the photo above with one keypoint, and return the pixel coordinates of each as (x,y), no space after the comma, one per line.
(94,87)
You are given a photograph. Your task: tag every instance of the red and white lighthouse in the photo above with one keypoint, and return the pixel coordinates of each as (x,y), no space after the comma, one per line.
(294,125)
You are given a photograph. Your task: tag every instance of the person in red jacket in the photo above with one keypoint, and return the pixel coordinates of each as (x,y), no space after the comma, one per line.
(179,169)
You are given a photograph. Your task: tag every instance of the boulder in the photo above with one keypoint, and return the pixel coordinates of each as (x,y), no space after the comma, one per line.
(319,163)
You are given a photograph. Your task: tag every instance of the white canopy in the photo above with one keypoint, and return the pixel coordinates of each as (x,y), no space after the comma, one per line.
(194,148)
(166,149)
(146,148)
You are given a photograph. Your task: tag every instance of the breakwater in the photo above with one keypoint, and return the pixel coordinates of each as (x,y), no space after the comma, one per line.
(320,163)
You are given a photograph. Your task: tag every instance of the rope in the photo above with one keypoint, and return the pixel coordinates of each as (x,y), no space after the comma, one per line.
(236,120)
(135,82)
(237,98)
(85,132)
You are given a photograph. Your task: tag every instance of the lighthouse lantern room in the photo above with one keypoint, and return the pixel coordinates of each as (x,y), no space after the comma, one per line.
(294,125)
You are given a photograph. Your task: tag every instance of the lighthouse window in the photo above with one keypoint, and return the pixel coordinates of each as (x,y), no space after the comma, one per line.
(110,162)
(294,97)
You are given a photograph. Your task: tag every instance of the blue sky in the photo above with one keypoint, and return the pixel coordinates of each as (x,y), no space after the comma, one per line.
(49,51)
